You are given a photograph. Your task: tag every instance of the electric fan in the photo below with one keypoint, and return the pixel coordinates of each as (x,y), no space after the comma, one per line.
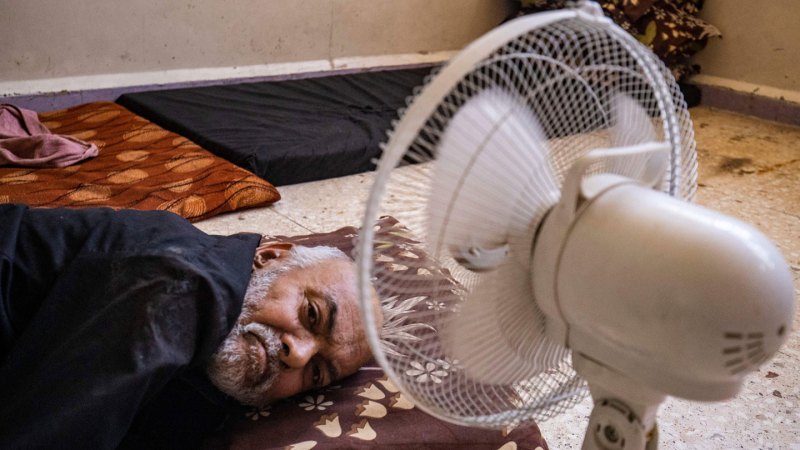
(547,171)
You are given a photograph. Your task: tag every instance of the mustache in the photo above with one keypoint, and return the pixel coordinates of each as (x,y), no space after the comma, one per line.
(272,345)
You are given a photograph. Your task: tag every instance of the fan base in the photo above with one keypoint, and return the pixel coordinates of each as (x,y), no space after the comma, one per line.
(624,413)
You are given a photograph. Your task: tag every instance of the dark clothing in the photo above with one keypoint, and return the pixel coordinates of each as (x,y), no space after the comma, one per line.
(107,320)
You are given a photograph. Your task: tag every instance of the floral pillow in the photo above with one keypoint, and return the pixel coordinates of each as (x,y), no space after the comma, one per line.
(367,410)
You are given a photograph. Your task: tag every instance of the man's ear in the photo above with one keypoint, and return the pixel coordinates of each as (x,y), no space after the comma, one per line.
(270,251)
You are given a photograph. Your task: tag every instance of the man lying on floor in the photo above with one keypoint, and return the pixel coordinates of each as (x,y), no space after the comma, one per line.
(135,329)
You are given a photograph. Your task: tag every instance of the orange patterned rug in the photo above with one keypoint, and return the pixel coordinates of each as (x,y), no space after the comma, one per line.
(139,166)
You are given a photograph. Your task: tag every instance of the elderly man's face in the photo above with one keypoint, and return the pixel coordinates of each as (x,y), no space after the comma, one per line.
(303,332)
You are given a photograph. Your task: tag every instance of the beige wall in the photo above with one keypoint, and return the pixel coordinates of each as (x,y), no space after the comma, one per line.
(50,39)
(760,44)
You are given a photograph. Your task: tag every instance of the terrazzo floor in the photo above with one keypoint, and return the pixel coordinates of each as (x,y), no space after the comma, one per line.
(749,169)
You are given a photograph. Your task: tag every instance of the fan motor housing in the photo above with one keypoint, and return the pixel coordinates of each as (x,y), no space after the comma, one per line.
(686,298)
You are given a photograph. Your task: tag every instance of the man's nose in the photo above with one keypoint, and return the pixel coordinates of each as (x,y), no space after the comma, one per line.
(297,351)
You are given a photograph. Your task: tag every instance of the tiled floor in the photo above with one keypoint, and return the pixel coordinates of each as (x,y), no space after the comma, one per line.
(749,169)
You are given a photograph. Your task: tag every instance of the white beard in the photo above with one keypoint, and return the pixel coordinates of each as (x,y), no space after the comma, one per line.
(230,364)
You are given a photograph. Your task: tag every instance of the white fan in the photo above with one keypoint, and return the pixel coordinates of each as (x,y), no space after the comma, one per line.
(547,170)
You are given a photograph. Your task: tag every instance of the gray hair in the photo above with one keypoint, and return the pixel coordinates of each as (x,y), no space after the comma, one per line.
(305,256)
(299,257)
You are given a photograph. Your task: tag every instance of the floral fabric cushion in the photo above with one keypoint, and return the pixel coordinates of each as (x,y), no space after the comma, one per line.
(362,411)
(670,28)
(139,166)
(367,410)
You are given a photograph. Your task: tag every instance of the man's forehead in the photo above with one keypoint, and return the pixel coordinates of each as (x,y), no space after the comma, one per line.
(336,288)
(347,328)
(348,347)
(335,284)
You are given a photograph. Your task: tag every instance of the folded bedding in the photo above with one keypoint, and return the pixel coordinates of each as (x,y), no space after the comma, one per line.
(139,165)
(287,131)
(24,141)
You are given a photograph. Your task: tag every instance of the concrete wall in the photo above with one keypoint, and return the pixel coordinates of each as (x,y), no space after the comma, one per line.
(49,45)
(760,48)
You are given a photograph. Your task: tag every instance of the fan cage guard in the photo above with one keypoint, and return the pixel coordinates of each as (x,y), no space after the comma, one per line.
(566,72)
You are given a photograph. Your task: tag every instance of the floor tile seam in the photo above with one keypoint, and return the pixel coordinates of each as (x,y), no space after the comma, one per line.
(290,219)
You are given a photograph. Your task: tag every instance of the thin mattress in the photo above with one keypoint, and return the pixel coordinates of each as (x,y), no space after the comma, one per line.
(287,131)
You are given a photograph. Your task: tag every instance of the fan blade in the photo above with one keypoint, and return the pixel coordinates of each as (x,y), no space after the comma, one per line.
(492,185)
(492,179)
(631,124)
(498,334)
(632,127)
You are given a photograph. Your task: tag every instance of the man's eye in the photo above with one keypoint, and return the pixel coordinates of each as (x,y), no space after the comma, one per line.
(313,316)
(316,375)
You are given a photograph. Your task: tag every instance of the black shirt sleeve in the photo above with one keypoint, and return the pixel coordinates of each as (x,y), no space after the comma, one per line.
(120,319)
(92,359)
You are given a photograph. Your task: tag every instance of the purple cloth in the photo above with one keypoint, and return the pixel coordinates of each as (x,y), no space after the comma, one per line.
(24,141)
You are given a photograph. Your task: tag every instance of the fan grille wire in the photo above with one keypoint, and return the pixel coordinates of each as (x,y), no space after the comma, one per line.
(567,74)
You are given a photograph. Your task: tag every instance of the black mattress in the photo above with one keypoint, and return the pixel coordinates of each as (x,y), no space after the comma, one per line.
(287,131)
